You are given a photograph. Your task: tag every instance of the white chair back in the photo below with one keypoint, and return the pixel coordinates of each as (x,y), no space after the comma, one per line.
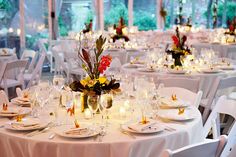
(211,148)
(191,84)
(223,106)
(232,152)
(13,71)
(30,55)
(219,84)
(3,97)
(36,74)
(184,94)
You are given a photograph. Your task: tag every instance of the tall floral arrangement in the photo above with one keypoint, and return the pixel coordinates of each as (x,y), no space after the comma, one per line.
(179,47)
(95,65)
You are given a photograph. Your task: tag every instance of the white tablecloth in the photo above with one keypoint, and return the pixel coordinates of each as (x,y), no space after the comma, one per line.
(114,143)
(225,50)
(206,79)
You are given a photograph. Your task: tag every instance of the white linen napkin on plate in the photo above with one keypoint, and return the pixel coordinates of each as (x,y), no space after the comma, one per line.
(141,127)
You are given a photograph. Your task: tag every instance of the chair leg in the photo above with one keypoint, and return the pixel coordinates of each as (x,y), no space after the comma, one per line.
(205,114)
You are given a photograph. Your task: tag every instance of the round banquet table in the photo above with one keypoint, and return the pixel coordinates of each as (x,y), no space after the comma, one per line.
(113,144)
(206,79)
(225,50)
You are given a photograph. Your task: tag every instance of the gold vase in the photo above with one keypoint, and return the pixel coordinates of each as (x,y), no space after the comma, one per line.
(83,101)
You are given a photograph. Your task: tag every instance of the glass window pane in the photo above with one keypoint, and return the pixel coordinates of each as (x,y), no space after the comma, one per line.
(113,10)
(145,14)
(9,24)
(74,15)
(36,22)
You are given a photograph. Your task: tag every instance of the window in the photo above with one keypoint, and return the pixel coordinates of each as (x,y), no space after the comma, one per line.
(145,14)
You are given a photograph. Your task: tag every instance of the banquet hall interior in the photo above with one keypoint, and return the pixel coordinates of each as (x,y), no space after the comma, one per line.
(118,78)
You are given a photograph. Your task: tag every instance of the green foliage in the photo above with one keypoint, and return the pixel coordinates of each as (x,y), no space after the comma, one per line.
(63,30)
(5,4)
(112,17)
(230,11)
(144,20)
(89,16)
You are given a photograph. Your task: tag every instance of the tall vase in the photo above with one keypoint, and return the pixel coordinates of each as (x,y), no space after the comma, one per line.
(177,58)
(83,101)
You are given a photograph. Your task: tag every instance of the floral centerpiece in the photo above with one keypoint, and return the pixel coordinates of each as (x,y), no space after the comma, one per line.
(120,34)
(178,48)
(231,30)
(94,65)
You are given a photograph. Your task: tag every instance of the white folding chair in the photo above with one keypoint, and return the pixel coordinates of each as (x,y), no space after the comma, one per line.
(211,148)
(223,106)
(31,56)
(3,97)
(13,75)
(219,84)
(191,84)
(232,152)
(33,78)
(184,94)
(73,65)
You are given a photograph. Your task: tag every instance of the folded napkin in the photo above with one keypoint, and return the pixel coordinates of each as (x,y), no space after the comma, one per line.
(8,111)
(25,124)
(141,127)
(77,131)
(171,103)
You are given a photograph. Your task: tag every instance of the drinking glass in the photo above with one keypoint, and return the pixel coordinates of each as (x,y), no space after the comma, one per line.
(93,103)
(106,101)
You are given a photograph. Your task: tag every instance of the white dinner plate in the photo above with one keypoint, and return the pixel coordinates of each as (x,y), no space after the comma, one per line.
(168,103)
(12,112)
(150,130)
(211,70)
(174,71)
(226,67)
(32,124)
(21,101)
(85,133)
(172,114)
(146,70)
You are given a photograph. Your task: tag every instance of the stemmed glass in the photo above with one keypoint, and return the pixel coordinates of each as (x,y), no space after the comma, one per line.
(93,103)
(106,101)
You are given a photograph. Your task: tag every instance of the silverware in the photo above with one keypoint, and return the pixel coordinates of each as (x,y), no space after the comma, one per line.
(129,134)
(51,136)
(36,132)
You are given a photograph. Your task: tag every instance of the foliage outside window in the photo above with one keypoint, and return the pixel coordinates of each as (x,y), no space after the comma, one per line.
(116,11)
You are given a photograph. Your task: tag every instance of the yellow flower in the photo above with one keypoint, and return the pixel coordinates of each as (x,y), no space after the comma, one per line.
(102,80)
(87,81)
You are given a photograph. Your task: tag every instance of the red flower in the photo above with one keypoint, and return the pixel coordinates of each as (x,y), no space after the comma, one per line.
(175,40)
(104,63)
(231,28)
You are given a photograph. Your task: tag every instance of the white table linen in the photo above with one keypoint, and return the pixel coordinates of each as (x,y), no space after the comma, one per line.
(114,144)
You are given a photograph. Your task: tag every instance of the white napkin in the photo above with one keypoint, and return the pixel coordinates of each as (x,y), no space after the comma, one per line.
(25,124)
(9,111)
(169,102)
(77,131)
(141,127)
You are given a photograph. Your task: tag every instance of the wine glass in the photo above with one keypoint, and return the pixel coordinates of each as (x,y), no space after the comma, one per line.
(106,101)
(93,103)
(58,81)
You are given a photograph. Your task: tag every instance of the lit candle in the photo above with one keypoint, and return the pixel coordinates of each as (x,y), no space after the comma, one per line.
(87,114)
(18,31)
(126,104)
(122,112)
(10,30)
